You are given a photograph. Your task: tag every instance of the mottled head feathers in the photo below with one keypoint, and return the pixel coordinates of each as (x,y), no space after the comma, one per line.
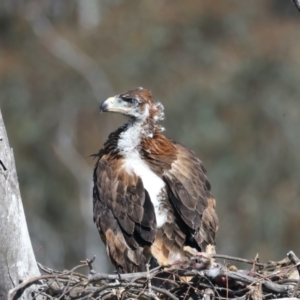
(137,104)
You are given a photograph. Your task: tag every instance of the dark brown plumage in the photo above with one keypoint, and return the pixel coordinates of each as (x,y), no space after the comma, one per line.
(151,195)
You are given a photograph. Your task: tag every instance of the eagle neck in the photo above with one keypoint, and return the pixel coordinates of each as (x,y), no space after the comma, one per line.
(136,131)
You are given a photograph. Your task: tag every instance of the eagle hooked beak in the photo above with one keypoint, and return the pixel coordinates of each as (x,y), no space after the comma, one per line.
(107,104)
(114,104)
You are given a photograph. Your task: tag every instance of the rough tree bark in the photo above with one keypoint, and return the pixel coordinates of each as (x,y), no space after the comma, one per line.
(17,261)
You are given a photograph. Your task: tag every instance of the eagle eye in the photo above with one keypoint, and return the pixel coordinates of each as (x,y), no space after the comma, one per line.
(129,100)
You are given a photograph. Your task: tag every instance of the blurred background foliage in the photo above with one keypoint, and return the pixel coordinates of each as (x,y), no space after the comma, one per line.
(228,74)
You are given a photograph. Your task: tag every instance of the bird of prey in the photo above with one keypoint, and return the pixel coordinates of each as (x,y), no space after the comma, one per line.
(151,196)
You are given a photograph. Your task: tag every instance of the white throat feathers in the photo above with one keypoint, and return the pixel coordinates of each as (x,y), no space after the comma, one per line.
(129,146)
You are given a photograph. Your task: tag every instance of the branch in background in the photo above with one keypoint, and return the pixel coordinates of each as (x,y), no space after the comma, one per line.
(88,14)
(65,51)
(297,4)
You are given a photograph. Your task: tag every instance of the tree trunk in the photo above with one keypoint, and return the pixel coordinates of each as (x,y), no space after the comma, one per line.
(17,260)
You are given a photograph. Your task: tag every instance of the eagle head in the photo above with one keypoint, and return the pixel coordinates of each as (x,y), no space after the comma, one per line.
(137,104)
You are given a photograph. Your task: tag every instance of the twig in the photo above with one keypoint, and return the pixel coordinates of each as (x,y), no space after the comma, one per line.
(29,282)
(114,285)
(296,288)
(218,282)
(71,274)
(67,290)
(165,292)
(187,293)
(247,261)
(38,249)
(248,279)
(272,286)
(125,277)
(45,269)
(295,260)
(207,286)
(89,262)
(149,278)
(76,268)
(255,261)
(297,4)
(227,288)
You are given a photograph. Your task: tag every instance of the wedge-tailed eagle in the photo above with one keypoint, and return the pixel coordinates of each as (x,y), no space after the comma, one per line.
(151,194)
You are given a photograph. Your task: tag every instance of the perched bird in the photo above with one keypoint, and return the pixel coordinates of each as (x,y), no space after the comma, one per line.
(151,194)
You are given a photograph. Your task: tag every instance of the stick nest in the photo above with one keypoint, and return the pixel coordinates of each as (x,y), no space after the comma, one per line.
(258,281)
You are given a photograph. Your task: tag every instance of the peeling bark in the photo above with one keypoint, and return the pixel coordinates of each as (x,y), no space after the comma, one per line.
(17,260)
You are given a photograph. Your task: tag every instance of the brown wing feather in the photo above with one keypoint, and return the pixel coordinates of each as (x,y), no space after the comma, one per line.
(188,191)
(192,198)
(123,214)
(190,194)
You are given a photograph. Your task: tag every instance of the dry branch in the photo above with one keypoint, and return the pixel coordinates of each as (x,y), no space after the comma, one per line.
(17,261)
(295,260)
(297,4)
(273,280)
